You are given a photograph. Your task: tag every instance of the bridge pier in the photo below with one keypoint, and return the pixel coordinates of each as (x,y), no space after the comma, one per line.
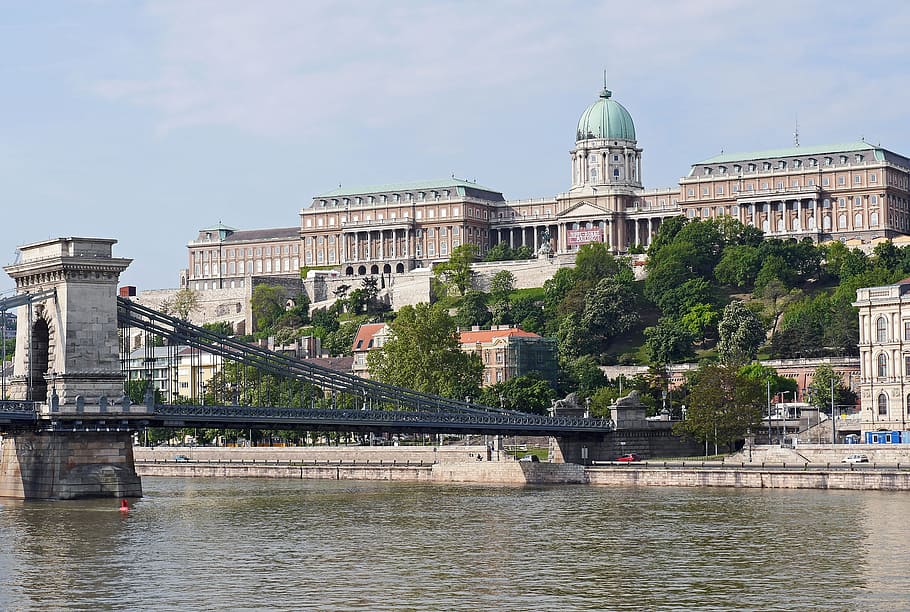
(67,465)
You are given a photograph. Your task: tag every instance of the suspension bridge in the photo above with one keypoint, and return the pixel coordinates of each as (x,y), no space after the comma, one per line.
(67,387)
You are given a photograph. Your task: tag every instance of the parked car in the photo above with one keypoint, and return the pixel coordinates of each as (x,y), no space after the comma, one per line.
(530,458)
(855,458)
(181,458)
(628,457)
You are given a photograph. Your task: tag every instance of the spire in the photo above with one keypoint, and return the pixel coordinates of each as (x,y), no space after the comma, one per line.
(605,93)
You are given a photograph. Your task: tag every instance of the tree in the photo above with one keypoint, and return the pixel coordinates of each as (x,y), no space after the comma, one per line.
(594,262)
(529,393)
(738,266)
(266,305)
(723,406)
(610,310)
(219,327)
(424,353)
(824,381)
(473,310)
(741,335)
(768,376)
(185,303)
(456,273)
(701,322)
(668,341)
(501,285)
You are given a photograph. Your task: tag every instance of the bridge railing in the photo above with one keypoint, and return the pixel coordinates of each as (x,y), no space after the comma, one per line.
(14,410)
(316,418)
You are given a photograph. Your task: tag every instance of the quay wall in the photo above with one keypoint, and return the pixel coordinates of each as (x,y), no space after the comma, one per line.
(751,477)
(494,472)
(321,454)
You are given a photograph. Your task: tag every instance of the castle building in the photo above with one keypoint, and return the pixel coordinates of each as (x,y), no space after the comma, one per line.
(856,193)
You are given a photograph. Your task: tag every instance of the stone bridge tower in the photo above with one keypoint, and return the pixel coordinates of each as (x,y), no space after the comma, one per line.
(67,344)
(68,361)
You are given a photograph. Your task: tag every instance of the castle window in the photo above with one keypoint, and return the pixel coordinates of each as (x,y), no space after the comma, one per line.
(882,404)
(881,329)
(882,365)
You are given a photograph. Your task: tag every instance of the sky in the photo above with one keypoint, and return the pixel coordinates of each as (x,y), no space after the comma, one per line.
(148,121)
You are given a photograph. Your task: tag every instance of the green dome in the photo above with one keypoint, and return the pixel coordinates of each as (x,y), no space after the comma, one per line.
(606,118)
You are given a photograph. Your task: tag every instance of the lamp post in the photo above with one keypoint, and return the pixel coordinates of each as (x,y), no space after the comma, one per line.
(769,411)
(833,419)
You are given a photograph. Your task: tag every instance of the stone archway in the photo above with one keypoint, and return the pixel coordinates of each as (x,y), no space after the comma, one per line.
(40,350)
(361,270)
(399,268)
(387,269)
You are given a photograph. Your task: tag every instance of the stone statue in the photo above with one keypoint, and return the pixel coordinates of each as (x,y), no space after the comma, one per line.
(545,247)
(631,400)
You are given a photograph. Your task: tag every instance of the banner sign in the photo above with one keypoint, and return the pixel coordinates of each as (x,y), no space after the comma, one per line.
(584,236)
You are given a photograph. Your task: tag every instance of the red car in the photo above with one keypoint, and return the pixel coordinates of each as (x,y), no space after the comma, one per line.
(629,457)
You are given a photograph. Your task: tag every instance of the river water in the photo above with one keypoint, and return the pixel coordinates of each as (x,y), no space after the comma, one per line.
(231,544)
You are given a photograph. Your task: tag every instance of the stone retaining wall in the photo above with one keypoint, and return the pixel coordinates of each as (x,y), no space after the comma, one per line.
(771,478)
(481,472)
(320,454)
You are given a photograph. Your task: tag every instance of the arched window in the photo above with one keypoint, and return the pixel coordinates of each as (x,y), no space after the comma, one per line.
(908,403)
(873,219)
(858,220)
(881,329)
(882,404)
(882,365)
(842,221)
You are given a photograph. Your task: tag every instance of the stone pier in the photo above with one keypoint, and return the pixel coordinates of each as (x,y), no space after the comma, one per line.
(67,465)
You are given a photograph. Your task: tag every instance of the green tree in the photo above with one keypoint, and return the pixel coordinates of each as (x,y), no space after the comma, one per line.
(738,266)
(219,327)
(266,305)
(741,335)
(824,381)
(473,310)
(529,393)
(594,262)
(501,285)
(610,310)
(723,406)
(667,342)
(701,322)
(456,273)
(582,375)
(768,377)
(341,341)
(424,353)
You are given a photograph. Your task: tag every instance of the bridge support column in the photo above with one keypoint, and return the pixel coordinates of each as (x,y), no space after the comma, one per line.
(67,465)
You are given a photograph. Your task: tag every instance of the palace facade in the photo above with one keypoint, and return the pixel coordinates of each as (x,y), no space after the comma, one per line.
(855,192)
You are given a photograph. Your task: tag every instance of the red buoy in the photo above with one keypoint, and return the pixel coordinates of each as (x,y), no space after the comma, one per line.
(124,506)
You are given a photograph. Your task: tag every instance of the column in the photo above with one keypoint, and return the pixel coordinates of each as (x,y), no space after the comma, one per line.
(650,232)
(637,239)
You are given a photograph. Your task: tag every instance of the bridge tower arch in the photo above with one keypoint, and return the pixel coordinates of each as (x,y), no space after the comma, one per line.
(40,360)
(67,343)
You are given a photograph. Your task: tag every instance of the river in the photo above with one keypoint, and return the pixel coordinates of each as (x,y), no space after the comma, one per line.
(236,544)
